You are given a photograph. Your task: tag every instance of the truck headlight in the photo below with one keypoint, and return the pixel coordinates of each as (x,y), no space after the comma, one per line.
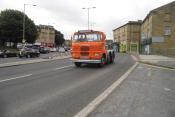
(97,54)
(74,54)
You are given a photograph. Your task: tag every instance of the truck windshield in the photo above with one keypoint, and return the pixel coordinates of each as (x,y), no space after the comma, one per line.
(87,37)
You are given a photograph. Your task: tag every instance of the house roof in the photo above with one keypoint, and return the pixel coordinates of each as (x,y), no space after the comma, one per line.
(139,22)
(157,9)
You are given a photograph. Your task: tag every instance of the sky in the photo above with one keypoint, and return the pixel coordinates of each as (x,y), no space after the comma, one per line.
(68,16)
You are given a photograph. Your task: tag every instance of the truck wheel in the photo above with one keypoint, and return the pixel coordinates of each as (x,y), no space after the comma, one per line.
(77,64)
(112,58)
(103,61)
(108,59)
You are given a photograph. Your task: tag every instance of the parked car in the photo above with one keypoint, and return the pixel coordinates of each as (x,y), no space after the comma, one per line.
(19,46)
(7,53)
(53,49)
(67,48)
(61,49)
(44,50)
(29,52)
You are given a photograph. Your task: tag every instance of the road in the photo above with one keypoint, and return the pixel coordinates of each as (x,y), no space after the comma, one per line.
(55,88)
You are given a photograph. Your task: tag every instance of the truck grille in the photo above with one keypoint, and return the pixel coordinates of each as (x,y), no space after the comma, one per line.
(84,53)
(84,48)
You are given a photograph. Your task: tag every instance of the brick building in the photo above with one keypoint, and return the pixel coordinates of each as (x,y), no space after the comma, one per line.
(128,34)
(158,31)
(46,35)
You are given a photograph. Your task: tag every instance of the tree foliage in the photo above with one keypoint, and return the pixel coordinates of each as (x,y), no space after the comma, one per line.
(11,27)
(59,38)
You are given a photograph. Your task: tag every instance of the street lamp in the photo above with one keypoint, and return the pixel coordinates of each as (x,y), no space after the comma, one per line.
(88,8)
(23,41)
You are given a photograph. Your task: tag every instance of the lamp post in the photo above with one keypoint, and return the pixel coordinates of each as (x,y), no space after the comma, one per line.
(23,41)
(88,8)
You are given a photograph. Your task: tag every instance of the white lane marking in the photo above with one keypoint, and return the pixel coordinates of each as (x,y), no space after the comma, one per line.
(92,105)
(167,89)
(149,74)
(16,78)
(63,67)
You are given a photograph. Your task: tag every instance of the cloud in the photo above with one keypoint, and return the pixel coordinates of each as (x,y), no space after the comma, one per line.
(68,15)
(63,10)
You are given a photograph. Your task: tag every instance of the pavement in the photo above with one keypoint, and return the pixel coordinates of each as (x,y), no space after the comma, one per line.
(55,88)
(158,60)
(149,91)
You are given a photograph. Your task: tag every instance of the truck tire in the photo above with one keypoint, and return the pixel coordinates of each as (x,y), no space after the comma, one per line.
(103,61)
(77,64)
(112,58)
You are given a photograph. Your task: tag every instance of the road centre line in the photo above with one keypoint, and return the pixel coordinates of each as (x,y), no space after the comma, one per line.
(63,67)
(19,77)
(27,75)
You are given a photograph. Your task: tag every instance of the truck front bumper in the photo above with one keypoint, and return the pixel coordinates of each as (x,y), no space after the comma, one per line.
(85,61)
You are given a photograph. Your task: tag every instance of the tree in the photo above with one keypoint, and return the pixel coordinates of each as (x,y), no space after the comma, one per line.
(11,27)
(59,38)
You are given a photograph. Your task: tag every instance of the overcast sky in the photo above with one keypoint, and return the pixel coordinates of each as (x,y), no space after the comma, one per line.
(68,16)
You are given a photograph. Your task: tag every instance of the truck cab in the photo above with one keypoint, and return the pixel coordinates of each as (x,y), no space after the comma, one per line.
(89,46)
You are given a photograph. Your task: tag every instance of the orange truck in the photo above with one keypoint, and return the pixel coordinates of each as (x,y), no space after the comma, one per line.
(89,46)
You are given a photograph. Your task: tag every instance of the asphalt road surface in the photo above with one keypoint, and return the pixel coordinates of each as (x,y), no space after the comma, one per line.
(55,88)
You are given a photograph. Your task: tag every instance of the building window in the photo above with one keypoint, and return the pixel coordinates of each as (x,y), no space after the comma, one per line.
(167,30)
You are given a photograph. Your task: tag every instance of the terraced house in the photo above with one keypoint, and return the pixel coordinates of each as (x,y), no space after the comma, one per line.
(46,35)
(128,36)
(158,31)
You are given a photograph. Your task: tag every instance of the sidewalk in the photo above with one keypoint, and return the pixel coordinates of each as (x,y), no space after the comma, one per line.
(147,92)
(158,60)
(44,59)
